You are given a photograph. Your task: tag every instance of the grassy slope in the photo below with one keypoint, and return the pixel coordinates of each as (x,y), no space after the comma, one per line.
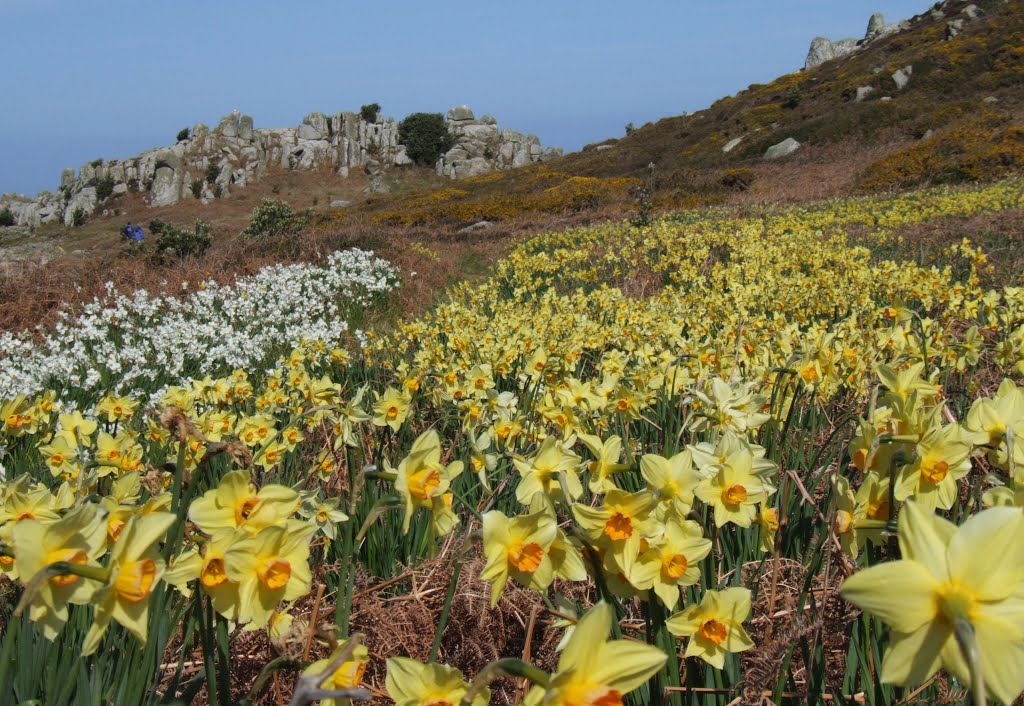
(848,148)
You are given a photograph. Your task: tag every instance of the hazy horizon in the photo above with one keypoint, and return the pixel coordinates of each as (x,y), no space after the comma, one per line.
(114,79)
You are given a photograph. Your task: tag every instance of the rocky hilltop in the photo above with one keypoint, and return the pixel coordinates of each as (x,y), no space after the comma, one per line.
(824,49)
(210,163)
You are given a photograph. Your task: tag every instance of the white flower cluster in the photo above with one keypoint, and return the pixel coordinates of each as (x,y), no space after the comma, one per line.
(129,343)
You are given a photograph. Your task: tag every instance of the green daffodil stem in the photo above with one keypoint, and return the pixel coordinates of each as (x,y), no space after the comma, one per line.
(442,622)
(506,667)
(57,568)
(968,644)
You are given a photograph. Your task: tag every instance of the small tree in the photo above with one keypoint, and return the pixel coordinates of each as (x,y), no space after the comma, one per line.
(181,242)
(78,217)
(6,217)
(272,218)
(183,134)
(369,113)
(197,188)
(425,136)
(212,172)
(105,188)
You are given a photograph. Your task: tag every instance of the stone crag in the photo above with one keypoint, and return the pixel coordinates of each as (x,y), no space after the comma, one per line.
(211,163)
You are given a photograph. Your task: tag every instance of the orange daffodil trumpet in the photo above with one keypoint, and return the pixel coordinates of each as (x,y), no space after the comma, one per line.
(972,574)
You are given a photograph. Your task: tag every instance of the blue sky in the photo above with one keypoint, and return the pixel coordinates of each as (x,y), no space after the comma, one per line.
(110,78)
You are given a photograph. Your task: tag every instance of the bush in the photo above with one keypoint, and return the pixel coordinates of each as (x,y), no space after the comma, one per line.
(183,134)
(212,172)
(6,217)
(425,136)
(197,188)
(738,179)
(105,188)
(181,242)
(78,217)
(272,218)
(369,113)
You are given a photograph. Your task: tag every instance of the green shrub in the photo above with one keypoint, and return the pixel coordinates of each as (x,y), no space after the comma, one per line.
(425,136)
(78,217)
(96,163)
(370,113)
(105,188)
(6,217)
(212,172)
(197,188)
(272,218)
(181,242)
(183,134)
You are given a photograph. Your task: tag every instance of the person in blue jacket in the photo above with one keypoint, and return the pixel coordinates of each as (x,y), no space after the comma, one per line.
(137,234)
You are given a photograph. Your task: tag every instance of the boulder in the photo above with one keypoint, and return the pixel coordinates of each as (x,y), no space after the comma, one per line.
(824,49)
(85,200)
(308,132)
(400,158)
(460,113)
(862,93)
(479,225)
(551,153)
(245,129)
(782,149)
(483,133)
(876,25)
(228,125)
(902,77)
(340,203)
(971,12)
(732,144)
(953,28)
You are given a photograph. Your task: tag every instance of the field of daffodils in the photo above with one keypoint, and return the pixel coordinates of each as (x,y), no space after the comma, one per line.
(727,458)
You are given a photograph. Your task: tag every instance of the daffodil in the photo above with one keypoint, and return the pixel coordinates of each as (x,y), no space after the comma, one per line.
(942,457)
(734,491)
(617,526)
(347,675)
(992,420)
(544,472)
(412,683)
(423,481)
(135,568)
(391,409)
(947,574)
(671,560)
(269,567)
(518,548)
(673,480)
(77,538)
(237,504)
(715,625)
(595,671)
(606,461)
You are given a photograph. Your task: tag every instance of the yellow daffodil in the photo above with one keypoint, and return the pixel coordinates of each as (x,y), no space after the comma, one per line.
(947,574)
(606,461)
(671,560)
(542,474)
(617,526)
(269,567)
(734,491)
(391,409)
(77,538)
(423,481)
(411,683)
(942,457)
(236,504)
(673,480)
(714,626)
(595,671)
(348,675)
(135,568)
(518,548)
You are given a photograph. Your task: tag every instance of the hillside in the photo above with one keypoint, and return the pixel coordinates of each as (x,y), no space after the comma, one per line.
(957,117)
